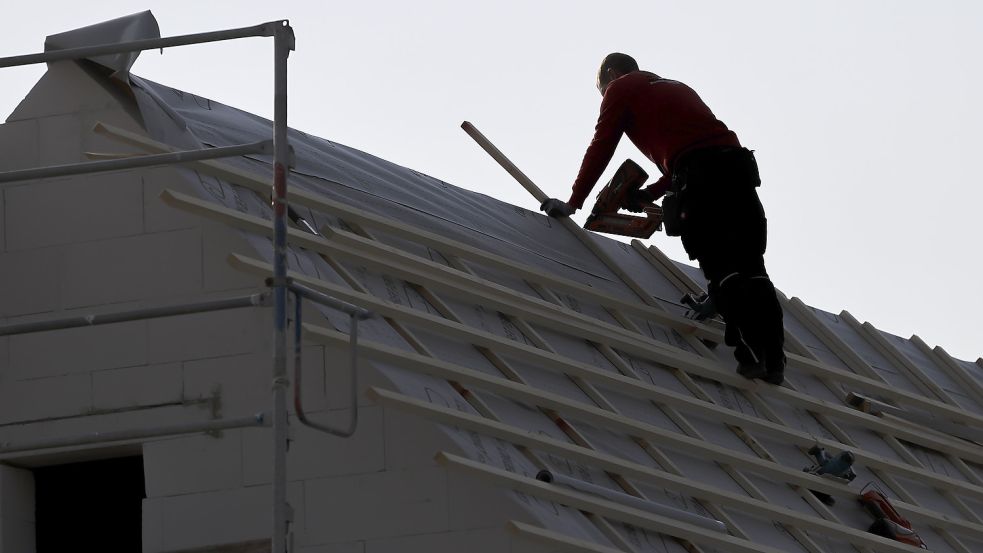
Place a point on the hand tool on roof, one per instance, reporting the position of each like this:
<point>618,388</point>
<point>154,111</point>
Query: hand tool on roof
<point>615,195</point>
<point>839,466</point>
<point>701,306</point>
<point>888,522</point>
<point>877,408</point>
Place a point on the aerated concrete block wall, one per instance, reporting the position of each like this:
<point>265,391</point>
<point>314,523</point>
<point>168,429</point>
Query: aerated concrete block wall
<point>85,244</point>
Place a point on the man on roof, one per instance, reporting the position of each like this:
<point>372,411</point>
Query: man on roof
<point>708,182</point>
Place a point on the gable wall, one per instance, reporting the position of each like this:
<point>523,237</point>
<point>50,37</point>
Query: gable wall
<point>87,244</point>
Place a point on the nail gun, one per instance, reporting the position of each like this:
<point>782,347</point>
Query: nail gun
<point>605,217</point>
<point>888,522</point>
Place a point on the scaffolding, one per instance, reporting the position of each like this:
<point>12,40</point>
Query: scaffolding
<point>280,285</point>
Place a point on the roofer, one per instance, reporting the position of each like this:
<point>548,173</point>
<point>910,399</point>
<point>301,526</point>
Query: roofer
<point>708,181</point>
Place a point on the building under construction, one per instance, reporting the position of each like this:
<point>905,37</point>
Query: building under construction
<point>220,334</point>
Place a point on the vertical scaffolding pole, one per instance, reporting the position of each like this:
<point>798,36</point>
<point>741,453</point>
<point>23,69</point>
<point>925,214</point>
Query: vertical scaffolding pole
<point>283,43</point>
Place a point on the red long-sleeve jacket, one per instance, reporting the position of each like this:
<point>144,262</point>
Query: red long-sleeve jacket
<point>663,118</point>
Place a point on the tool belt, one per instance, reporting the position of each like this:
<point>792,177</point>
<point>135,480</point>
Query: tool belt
<point>717,170</point>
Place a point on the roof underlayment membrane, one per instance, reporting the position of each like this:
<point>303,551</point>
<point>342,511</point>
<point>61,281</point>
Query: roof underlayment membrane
<point>751,433</point>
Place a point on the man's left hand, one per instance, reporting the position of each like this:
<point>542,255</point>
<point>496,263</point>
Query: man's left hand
<point>557,208</point>
<point>636,200</point>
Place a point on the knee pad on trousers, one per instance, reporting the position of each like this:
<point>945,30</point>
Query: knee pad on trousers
<point>726,294</point>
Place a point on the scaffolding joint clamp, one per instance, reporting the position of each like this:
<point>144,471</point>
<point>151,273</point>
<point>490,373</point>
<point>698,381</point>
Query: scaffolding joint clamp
<point>273,281</point>
<point>274,28</point>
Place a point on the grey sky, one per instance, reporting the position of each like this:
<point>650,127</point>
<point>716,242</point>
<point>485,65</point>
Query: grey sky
<point>865,115</point>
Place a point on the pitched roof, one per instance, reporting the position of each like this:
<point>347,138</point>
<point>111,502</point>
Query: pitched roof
<point>535,348</point>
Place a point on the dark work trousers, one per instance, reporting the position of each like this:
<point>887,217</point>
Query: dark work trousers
<point>726,231</point>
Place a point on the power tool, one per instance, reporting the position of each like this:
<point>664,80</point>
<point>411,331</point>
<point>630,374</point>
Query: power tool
<point>605,217</point>
<point>888,522</point>
<point>839,466</point>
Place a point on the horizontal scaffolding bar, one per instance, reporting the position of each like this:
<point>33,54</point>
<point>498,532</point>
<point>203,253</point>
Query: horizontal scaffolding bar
<point>263,29</point>
<point>259,419</point>
<point>136,314</point>
<point>184,156</point>
<point>317,296</point>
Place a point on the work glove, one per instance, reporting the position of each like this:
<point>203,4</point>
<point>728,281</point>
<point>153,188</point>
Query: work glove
<point>557,208</point>
<point>636,200</point>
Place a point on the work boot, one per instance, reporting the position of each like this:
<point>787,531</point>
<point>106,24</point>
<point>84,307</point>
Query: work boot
<point>775,370</point>
<point>750,364</point>
<point>752,370</point>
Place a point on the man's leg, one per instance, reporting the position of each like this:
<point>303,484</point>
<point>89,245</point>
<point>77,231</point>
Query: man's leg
<point>762,319</point>
<point>732,259</point>
<point>726,285</point>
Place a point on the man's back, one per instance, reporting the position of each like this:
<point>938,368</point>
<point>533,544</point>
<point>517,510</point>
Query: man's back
<point>662,117</point>
<point>667,118</point>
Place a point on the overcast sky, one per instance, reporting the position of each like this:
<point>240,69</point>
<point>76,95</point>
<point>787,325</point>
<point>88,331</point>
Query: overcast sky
<point>865,115</point>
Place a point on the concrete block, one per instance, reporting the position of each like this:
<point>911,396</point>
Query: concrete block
<point>315,389</point>
<point>412,441</point>
<point>145,267</point>
<point>29,282</point>
<point>41,398</point>
<point>193,464</point>
<point>74,209</point>
<point>19,145</point>
<point>135,386</point>
<point>60,140</point>
<point>474,503</point>
<point>380,505</point>
<point>16,536</point>
<point>242,382</point>
<point>522,544</point>
<point>123,116</point>
<point>314,454</point>
<point>337,376</point>
<point>218,242</point>
<point>78,350</point>
<point>204,335</point>
<point>213,518</point>
<point>4,359</point>
<point>158,216</point>
<point>65,88</point>
<point>152,518</point>
<point>16,494</point>
<point>485,540</point>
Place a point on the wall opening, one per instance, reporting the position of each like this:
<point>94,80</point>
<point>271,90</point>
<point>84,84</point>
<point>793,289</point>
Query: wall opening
<point>90,506</point>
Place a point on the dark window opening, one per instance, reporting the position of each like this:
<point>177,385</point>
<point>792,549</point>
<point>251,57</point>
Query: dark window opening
<point>90,506</point>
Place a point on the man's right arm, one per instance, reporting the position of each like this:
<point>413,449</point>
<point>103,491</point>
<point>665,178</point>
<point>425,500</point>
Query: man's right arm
<point>658,188</point>
<point>611,125</point>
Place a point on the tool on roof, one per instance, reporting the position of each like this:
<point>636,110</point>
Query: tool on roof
<point>839,466</point>
<point>888,522</point>
<point>877,408</point>
<point>617,194</point>
<point>551,477</point>
<point>701,307</point>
